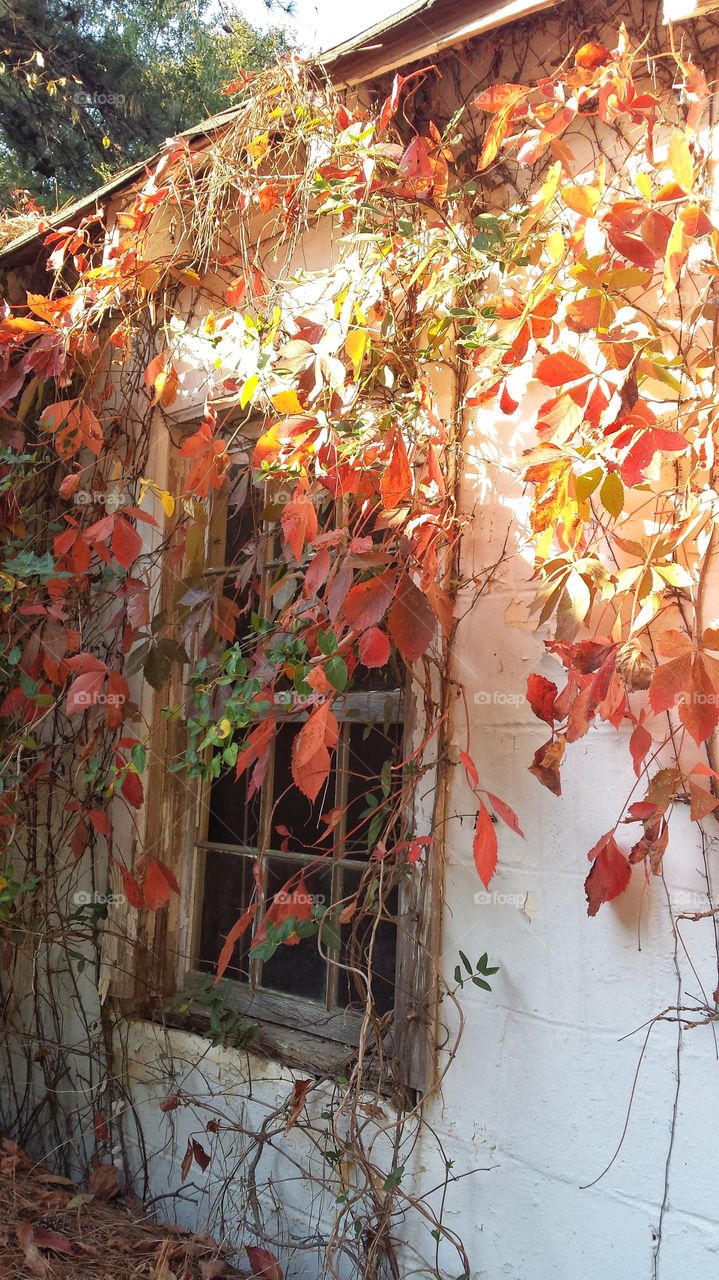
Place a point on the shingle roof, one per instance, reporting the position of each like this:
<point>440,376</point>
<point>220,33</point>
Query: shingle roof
<point>420,30</point>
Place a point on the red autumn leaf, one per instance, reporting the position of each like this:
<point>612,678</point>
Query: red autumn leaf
<point>258,742</point>
<point>506,813</point>
<point>390,104</point>
<point>299,521</point>
<point>484,845</point>
<point>470,769</point>
<point>300,1089</point>
<point>79,839</point>
<point>75,427</point>
<point>236,292</point>
<point>639,744</point>
<point>133,892</point>
<point>366,604</point>
<point>85,691</point>
<point>117,696</point>
<point>541,696</point>
<point>559,368</point>
<point>100,821</point>
<point>609,876</point>
<point>225,612</point>
<point>310,754</point>
<point>415,161</point>
<point>157,883</point>
<point>199,1155</point>
<point>699,708</point>
<point>411,621</point>
<point>264,1264</point>
<point>396,481</point>
<point>670,679</point>
<point>101,1127</point>
<point>69,485</point>
<point>126,542</point>
<point>268,196</point>
<point>545,765</point>
<point>642,451</point>
<point>500,96</point>
<point>238,929</point>
<point>506,403</point>
<point>317,572</point>
<point>132,788</point>
<point>374,648</point>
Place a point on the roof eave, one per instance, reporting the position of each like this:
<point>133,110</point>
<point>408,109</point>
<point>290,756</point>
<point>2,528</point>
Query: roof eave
<point>421,31</point>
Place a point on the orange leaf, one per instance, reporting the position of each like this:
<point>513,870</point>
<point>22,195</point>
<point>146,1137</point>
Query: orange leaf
<point>559,368</point>
<point>299,521</point>
<point>310,755</point>
<point>396,482</point>
<point>157,883</point>
<point>239,927</point>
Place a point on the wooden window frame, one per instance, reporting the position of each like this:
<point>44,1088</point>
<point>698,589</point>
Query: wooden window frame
<point>165,964</point>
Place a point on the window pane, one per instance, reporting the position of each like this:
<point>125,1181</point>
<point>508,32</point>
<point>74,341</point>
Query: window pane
<point>232,820</point>
<point>227,893</point>
<point>361,935</point>
<point>293,812</point>
<point>298,969</point>
<point>369,749</point>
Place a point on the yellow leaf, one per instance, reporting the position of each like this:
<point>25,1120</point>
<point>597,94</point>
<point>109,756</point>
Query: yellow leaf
<point>680,160</point>
<point>555,246</point>
<point>167,500</point>
<point>644,185</point>
<point>106,143</point>
<point>248,390</point>
<point>674,258</point>
<point>259,146</point>
<point>224,729</point>
<point>356,346</point>
<point>287,402</point>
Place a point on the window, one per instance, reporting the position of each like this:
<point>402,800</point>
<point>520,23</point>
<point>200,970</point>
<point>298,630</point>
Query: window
<point>249,848</point>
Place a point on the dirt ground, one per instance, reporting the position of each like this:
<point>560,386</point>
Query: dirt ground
<point>51,1228</point>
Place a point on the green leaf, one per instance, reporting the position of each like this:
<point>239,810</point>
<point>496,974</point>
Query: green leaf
<point>394,1178</point>
<point>336,672</point>
<point>327,643</point>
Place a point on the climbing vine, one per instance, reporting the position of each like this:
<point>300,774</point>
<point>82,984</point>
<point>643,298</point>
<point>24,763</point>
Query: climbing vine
<point>564,278</point>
